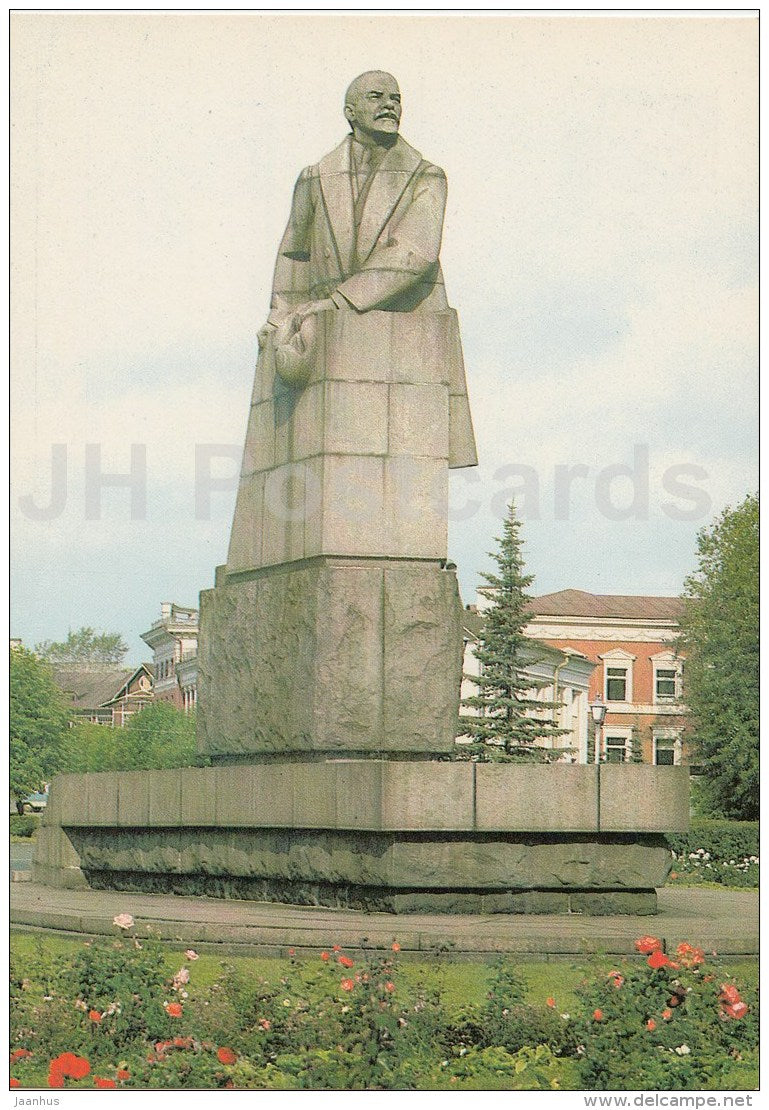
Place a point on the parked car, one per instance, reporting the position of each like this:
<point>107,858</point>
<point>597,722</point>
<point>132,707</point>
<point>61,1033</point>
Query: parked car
<point>33,803</point>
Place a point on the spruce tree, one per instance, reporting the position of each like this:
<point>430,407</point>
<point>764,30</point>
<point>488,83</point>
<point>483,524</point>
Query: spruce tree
<point>509,718</point>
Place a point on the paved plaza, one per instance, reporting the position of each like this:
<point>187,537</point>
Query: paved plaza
<point>724,921</point>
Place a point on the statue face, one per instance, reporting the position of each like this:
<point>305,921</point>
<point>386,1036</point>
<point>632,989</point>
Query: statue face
<point>374,105</point>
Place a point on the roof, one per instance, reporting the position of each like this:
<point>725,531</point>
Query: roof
<point>579,603</point>
<point>91,685</point>
<point>472,626</point>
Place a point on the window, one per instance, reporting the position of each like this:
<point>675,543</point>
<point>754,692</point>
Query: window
<point>667,678</point>
<point>667,749</point>
<point>616,749</point>
<point>665,684</point>
<point>616,684</point>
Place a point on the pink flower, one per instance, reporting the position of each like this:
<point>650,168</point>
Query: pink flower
<point>265,1024</point>
<point>182,976</point>
<point>389,986</point>
<point>123,921</point>
<point>395,946</point>
<point>191,954</point>
<point>292,951</point>
<point>651,1025</point>
<point>667,1014</point>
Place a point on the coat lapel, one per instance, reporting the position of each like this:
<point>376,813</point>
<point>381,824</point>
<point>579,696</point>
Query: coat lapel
<point>336,187</point>
<point>394,173</point>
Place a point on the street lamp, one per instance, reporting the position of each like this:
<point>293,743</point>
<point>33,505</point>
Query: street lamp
<point>598,711</point>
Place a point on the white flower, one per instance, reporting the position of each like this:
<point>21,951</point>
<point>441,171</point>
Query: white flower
<point>123,921</point>
<point>683,1050</point>
<point>182,975</point>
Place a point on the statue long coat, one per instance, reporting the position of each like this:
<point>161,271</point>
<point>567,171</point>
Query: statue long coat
<point>389,261</point>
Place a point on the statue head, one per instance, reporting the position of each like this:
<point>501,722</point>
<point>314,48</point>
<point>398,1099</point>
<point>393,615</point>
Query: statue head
<point>372,105</point>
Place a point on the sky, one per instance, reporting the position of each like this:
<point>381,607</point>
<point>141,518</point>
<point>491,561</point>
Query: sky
<point>600,247</point>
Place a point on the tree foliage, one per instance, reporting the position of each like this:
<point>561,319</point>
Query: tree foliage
<point>158,737</point>
<point>84,646</point>
<point>509,720</point>
<point>719,634</point>
<point>38,723</point>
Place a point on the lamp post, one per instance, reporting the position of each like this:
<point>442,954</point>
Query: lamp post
<point>598,711</point>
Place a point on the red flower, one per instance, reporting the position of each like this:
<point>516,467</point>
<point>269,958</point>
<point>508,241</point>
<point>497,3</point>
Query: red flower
<point>616,978</point>
<point>347,984</point>
<point>325,957</point>
<point>20,1054</point>
<point>646,944</point>
<point>292,951</point>
<point>15,1082</point>
<point>225,1056</point>
<point>174,1009</point>
<point>598,1015</point>
<point>550,1002</point>
<point>265,1024</point>
<point>395,946</point>
<point>122,1074</point>
<point>729,994</point>
<point>181,1042</point>
<point>55,1078</point>
<point>94,1015</point>
<point>71,1066</point>
<point>667,1014</point>
<point>389,987</point>
<point>658,959</point>
<point>737,1011</point>
<point>336,948</point>
<point>651,1025</point>
<point>104,1084</point>
<point>345,961</point>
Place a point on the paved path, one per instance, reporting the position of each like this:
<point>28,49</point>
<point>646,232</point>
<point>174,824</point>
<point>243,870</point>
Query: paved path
<point>722,920</point>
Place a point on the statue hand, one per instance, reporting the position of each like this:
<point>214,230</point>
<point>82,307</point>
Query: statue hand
<point>311,308</point>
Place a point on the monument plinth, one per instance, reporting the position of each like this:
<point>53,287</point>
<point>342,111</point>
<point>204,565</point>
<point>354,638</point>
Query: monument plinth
<point>335,626</point>
<point>330,647</point>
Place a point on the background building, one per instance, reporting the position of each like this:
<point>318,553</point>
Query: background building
<point>638,673</point>
<point>174,641</point>
<point>104,693</point>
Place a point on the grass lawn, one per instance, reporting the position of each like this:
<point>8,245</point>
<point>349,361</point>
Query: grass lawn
<point>463,982</point>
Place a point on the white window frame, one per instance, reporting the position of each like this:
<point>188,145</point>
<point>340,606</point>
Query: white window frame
<point>621,660</point>
<point>667,661</point>
<point>667,735</point>
<point>619,732</point>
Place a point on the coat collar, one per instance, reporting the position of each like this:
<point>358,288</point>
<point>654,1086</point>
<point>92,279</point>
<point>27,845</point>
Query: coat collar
<point>391,178</point>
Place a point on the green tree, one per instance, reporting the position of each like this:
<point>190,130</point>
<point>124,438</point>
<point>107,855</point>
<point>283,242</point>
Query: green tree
<point>158,737</point>
<point>84,646</point>
<point>719,636</point>
<point>509,718</point>
<point>38,724</point>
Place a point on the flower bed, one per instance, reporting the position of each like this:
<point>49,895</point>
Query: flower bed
<point>112,1017</point>
<point>723,852</point>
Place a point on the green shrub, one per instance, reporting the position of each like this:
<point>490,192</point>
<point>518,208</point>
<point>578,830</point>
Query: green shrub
<point>26,825</point>
<point>337,1023</point>
<point>664,1024</point>
<point>719,851</point>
